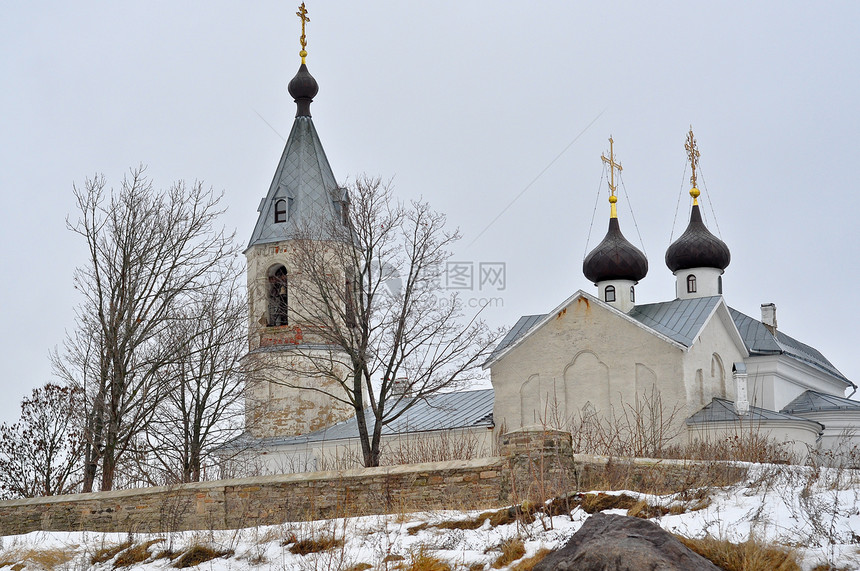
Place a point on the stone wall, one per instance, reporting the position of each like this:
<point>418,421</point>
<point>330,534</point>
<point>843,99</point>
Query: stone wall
<point>245,502</point>
<point>535,465</point>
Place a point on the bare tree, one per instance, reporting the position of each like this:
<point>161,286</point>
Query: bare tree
<point>368,288</point>
<point>148,250</point>
<point>202,405</point>
<point>41,454</point>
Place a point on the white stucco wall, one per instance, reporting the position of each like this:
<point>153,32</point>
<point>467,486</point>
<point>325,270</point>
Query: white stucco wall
<point>586,353</point>
<point>590,353</point>
<point>797,437</point>
<point>430,446</point>
<point>776,380</point>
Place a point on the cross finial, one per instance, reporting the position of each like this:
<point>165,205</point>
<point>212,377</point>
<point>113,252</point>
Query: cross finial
<point>612,186</point>
<point>693,157</point>
<point>303,15</point>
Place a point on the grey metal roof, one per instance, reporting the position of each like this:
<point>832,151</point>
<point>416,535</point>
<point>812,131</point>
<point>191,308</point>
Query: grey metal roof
<point>680,320</point>
<point>760,341</point>
<point>520,328</point>
<point>442,411</point>
<point>722,410</point>
<point>305,179</point>
<point>814,401</point>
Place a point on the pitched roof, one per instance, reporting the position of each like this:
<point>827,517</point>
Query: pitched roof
<point>681,319</point>
<point>441,411</point>
<point>814,401</point>
<point>760,341</point>
<point>520,329</point>
<point>305,181</point>
<point>722,410</point>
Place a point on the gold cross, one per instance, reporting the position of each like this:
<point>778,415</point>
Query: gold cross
<point>693,157</point>
<point>612,186</point>
<point>303,14</point>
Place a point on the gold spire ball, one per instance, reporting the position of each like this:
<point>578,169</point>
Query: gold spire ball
<point>693,157</point>
<point>303,14</point>
<point>613,213</point>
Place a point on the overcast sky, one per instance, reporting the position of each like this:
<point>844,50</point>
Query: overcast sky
<point>466,104</point>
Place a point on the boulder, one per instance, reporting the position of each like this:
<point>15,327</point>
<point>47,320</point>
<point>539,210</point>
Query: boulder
<point>621,543</point>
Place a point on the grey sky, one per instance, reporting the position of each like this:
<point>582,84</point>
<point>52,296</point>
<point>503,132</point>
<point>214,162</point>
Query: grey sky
<point>463,103</point>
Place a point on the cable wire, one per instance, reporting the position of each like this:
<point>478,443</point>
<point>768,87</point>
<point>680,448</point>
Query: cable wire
<point>594,212</point>
<point>632,214</point>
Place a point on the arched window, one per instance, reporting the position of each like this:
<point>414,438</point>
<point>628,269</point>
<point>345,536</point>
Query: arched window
<point>609,294</point>
<point>632,295</point>
<point>278,296</point>
<point>281,211</point>
<point>720,285</point>
<point>691,284</point>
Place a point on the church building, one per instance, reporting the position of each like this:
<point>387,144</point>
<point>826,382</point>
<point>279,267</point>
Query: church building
<point>715,370</point>
<point>718,371</point>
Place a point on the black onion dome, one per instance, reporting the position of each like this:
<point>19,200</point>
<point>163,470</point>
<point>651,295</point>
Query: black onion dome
<point>615,258</point>
<point>697,247</point>
<point>303,87</point>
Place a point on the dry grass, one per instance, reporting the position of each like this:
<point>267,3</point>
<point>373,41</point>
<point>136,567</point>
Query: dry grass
<point>359,567</point>
<point>197,554</point>
<point>644,510</point>
<point>39,558</point>
<point>529,563</point>
<point>315,545</point>
<point>135,554</point>
<point>107,553</point>
<point>503,516</point>
<point>750,555</point>
<point>421,560</point>
<point>512,549</point>
<point>593,503</point>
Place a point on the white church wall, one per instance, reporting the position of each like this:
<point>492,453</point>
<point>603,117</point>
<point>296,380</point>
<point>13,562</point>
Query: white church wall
<point>414,447</point>
<point>708,365</point>
<point>776,380</point>
<point>797,437</point>
<point>840,441</point>
<point>592,352</point>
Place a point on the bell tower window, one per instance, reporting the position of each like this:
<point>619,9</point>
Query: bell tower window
<point>632,295</point>
<point>691,284</point>
<point>609,294</point>
<point>278,296</point>
<point>280,211</point>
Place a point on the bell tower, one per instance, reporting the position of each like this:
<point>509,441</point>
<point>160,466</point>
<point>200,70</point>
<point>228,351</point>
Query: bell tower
<point>283,397</point>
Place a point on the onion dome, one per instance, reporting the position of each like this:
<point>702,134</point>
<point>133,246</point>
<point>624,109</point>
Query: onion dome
<point>697,247</point>
<point>615,258</point>
<point>303,87</point>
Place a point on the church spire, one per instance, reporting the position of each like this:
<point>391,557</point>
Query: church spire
<point>615,266</point>
<point>303,87</point>
<point>303,192</point>
<point>697,257</point>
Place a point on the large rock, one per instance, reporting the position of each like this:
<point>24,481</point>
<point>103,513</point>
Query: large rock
<point>620,543</point>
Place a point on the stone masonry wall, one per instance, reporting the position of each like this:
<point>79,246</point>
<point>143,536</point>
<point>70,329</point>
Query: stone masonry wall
<point>245,502</point>
<point>535,465</point>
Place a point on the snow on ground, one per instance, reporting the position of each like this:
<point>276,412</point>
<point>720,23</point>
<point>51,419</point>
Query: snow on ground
<point>815,511</point>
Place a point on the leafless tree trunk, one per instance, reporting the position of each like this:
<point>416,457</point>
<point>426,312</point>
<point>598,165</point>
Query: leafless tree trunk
<point>148,251</point>
<point>373,294</point>
<point>202,405</point>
